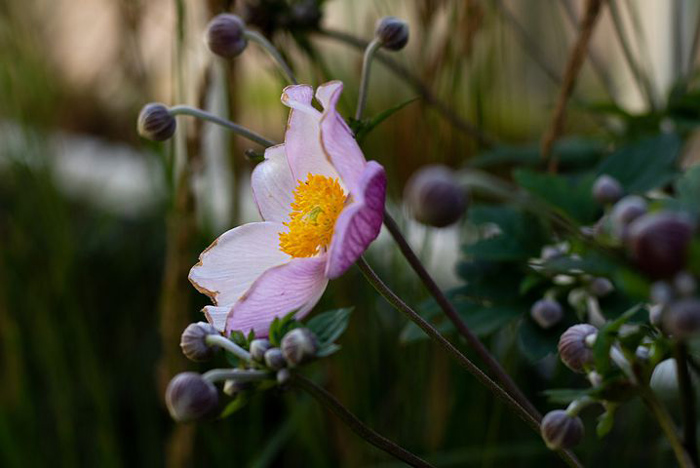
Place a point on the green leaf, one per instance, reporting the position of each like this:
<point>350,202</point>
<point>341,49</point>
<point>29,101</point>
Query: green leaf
<point>364,127</point>
<point>687,189</point>
<point>564,396</point>
<point>571,153</point>
<point>329,325</point>
<point>645,164</point>
<point>605,339</point>
<point>535,342</point>
<point>237,403</point>
<point>606,421</point>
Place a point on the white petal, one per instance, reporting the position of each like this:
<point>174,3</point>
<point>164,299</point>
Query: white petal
<point>273,185</point>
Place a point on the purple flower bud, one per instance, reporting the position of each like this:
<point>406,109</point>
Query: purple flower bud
<point>392,32</point>
<point>193,341</point>
<point>601,287</point>
<point>434,196</point>
<point>682,319</point>
<point>258,348</point>
<point>226,36</point>
<point>299,346</point>
<point>283,376</point>
<point>573,349</point>
<point>156,123</point>
<point>546,312</point>
<point>661,292</point>
<point>189,397</point>
<point>233,387</point>
<point>561,431</point>
<point>685,284</point>
<point>607,190</point>
<point>624,212</point>
<point>659,243</point>
<point>274,359</point>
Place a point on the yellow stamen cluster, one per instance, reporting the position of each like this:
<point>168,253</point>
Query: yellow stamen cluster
<point>316,207</point>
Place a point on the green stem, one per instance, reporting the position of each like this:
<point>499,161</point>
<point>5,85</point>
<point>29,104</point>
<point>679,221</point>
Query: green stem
<point>667,425</point>
<point>332,404</point>
<point>238,129</point>
<point>371,49</point>
<point>274,53</point>
<point>429,330</point>
<point>239,375</point>
<point>228,345</point>
<point>688,410</point>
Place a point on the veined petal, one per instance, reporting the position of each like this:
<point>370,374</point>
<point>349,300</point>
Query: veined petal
<point>273,185</point>
<point>296,285</point>
<point>359,223</point>
<point>228,267</point>
<point>337,141</point>
<point>302,140</point>
<point>216,316</point>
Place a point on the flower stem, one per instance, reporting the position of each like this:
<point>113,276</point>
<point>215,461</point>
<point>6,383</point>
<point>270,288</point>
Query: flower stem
<point>239,375</point>
<point>666,423</point>
<point>371,49</point>
<point>228,345</point>
<point>685,386</point>
<point>493,365</point>
<point>274,53</point>
<point>238,129</point>
<point>332,404</point>
<point>429,330</point>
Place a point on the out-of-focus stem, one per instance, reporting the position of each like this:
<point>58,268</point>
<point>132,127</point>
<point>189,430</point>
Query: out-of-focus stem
<point>667,425</point>
<point>239,375</point>
<point>228,345</point>
<point>274,53</point>
<point>371,49</point>
<point>234,127</point>
<point>329,402</point>
<point>688,410</point>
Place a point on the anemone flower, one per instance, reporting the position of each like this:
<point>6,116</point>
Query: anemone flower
<point>322,204</point>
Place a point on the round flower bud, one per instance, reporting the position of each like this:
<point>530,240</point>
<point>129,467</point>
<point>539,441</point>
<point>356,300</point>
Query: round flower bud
<point>601,287</point>
<point>661,292</point>
<point>664,379</point>
<point>561,431</point>
<point>156,123</point>
<point>685,284</point>
<point>283,376</point>
<point>258,348</point>
<point>659,243</point>
<point>193,341</point>
<point>573,349</point>
<point>682,319</point>
<point>392,33</point>
<point>607,190</point>
<point>226,35</point>
<point>274,359</point>
<point>232,387</point>
<point>434,196</point>
<point>546,312</point>
<point>299,346</point>
<point>189,397</point>
<point>624,212</point>
<point>655,313</point>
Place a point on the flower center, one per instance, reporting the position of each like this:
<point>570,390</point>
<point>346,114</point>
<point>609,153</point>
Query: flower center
<point>316,206</point>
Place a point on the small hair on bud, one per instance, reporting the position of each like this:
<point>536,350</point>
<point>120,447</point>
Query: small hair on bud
<point>546,313</point>
<point>573,349</point>
<point>434,196</point>
<point>624,212</point>
<point>226,35</point>
<point>561,431</point>
<point>607,190</point>
<point>299,346</point>
<point>274,359</point>
<point>659,243</point>
<point>193,341</point>
<point>189,397</point>
<point>392,33</point>
<point>258,347</point>
<point>156,123</point>
<point>681,319</point>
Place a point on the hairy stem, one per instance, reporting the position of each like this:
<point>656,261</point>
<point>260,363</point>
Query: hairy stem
<point>332,404</point>
<point>234,127</point>
<point>688,410</point>
<point>371,49</point>
<point>274,53</point>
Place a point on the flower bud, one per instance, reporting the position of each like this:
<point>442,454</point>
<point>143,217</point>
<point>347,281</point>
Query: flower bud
<point>189,397</point>
<point>685,284</point>
<point>193,341</point>
<point>664,379</point>
<point>274,359</point>
<point>434,196</point>
<point>561,431</point>
<point>232,387</point>
<point>659,243</point>
<point>283,376</point>
<point>226,35</point>
<point>573,349</point>
<point>546,312</point>
<point>258,348</point>
<point>156,123</point>
<point>607,190</point>
<point>661,292</point>
<point>392,33</point>
<point>601,287</point>
<point>624,212</point>
<point>682,319</point>
<point>299,346</point>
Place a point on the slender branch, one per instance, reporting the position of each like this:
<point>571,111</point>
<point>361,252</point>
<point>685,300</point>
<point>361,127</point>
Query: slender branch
<point>429,330</point>
<point>234,127</point>
<point>228,345</point>
<point>491,363</point>
<point>416,84</point>
<point>667,425</point>
<point>688,410</point>
<point>274,53</point>
<point>239,375</point>
<point>573,67</point>
<point>332,404</point>
<point>692,56</point>
<point>371,49</point>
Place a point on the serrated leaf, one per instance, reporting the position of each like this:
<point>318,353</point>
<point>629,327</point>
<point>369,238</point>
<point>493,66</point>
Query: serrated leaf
<point>329,325</point>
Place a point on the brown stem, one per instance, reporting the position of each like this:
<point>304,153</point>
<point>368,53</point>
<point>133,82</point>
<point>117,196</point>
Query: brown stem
<point>573,67</point>
<point>688,410</point>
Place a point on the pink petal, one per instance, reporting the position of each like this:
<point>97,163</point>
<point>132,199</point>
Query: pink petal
<point>236,259</point>
<point>273,185</point>
<point>216,316</point>
<point>302,141</point>
<point>337,140</point>
<point>296,285</point>
<point>359,223</point>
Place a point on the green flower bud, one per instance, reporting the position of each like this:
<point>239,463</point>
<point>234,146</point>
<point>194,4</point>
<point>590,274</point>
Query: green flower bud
<point>156,123</point>
<point>190,398</point>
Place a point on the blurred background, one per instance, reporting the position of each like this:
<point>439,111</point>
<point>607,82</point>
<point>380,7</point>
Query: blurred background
<point>98,227</point>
